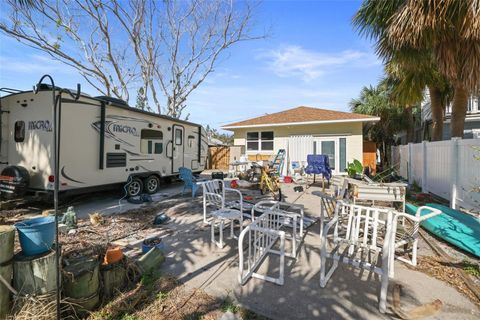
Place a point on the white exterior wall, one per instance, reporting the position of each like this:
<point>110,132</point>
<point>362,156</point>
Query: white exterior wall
<point>352,131</point>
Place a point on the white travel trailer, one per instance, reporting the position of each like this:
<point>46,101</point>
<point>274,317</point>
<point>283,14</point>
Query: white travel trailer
<point>102,142</point>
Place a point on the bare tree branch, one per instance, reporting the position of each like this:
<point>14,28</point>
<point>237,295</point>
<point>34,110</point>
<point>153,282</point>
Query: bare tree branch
<point>168,48</point>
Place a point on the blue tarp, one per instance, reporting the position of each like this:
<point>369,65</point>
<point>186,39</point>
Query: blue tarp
<point>318,164</point>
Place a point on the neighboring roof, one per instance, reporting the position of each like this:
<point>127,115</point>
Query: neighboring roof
<point>301,115</point>
<point>215,142</point>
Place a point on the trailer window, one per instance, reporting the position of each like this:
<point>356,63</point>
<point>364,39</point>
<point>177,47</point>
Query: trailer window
<point>191,140</point>
<point>151,141</point>
<point>178,136</point>
<point>158,147</point>
<point>19,131</point>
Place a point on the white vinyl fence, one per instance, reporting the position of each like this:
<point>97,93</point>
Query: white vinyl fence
<point>449,169</point>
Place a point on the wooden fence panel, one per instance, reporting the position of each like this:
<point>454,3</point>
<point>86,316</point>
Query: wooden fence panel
<point>219,157</point>
<point>370,156</point>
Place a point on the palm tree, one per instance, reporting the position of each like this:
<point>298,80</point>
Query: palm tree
<point>412,69</point>
<point>376,101</point>
<point>451,30</point>
<point>408,78</point>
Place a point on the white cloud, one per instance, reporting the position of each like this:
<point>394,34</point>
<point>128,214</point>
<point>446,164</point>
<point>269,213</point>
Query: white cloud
<point>34,63</point>
<point>295,61</point>
<point>221,104</point>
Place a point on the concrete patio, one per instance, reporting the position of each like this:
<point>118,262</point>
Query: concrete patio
<point>349,295</point>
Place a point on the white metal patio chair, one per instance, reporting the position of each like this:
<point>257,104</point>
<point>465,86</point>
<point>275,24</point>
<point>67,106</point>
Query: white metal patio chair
<point>327,209</point>
<point>214,195</point>
<point>407,234</point>
<point>364,244</point>
<point>340,186</point>
<point>285,207</point>
<point>224,216</point>
<point>293,219</point>
<point>260,238</point>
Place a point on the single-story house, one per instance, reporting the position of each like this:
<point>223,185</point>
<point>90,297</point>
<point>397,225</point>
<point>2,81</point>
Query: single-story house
<point>302,131</point>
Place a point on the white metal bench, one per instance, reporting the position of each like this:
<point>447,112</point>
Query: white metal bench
<point>367,192</point>
<point>258,239</point>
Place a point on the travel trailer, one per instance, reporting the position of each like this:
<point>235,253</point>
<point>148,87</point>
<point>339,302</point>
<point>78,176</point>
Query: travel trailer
<point>102,142</point>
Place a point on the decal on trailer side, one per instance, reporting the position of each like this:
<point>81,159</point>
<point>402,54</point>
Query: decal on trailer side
<point>42,125</point>
<point>108,131</point>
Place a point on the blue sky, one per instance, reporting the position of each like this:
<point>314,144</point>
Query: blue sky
<point>312,57</point>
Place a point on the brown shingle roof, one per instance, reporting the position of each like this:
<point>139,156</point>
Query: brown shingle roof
<point>301,114</point>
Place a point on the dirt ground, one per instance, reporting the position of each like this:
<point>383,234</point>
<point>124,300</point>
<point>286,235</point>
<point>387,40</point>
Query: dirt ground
<point>163,296</point>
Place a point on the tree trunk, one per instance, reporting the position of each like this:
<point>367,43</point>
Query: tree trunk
<point>459,110</point>
<point>410,124</point>
<point>436,107</point>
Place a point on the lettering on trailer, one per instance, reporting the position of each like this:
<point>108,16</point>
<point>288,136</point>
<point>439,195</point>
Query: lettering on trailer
<point>125,129</point>
<point>109,131</point>
<point>42,125</point>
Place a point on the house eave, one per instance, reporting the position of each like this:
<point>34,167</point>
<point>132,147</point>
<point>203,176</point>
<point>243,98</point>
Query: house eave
<point>373,119</point>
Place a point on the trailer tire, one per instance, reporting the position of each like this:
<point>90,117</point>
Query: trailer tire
<point>151,184</point>
<point>135,187</point>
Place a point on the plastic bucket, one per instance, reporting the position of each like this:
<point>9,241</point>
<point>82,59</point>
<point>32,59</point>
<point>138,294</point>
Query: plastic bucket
<point>147,247</point>
<point>36,235</point>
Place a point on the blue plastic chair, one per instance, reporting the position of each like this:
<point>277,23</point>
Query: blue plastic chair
<point>190,182</point>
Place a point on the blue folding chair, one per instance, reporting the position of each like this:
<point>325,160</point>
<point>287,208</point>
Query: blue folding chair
<point>189,180</point>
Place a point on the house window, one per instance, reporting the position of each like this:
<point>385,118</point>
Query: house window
<point>260,141</point>
<point>19,131</point>
<point>151,141</point>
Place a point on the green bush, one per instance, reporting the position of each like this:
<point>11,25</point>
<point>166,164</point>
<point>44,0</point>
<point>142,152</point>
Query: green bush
<point>355,168</point>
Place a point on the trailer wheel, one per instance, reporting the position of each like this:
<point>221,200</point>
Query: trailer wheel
<point>152,184</point>
<point>135,187</point>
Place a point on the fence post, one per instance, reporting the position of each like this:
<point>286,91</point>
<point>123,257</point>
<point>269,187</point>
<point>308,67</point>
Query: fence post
<point>409,164</point>
<point>424,166</point>
<point>454,171</point>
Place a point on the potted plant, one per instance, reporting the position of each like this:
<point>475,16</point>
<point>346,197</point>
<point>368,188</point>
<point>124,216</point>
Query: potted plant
<point>152,242</point>
<point>355,169</point>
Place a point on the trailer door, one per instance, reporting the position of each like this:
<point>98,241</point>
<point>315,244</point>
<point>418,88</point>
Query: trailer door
<point>178,133</point>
